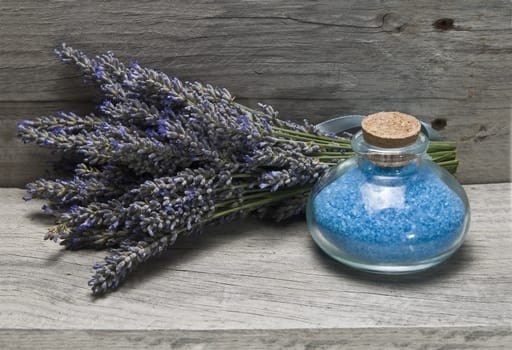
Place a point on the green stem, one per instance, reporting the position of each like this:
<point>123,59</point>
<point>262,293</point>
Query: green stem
<point>245,197</point>
<point>275,197</point>
<point>326,153</point>
<point>436,146</point>
<point>442,156</point>
<point>328,144</point>
<point>313,136</point>
<point>341,156</point>
<point>234,187</point>
<point>448,163</point>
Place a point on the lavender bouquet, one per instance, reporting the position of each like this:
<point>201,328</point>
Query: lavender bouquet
<point>160,158</point>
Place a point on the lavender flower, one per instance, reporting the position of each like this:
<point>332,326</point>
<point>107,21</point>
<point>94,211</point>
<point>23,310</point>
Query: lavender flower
<point>160,158</point>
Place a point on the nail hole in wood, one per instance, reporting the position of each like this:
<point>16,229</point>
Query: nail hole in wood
<point>444,24</point>
<point>439,123</point>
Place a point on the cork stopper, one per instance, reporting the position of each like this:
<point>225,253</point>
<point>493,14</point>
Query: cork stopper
<point>390,129</point>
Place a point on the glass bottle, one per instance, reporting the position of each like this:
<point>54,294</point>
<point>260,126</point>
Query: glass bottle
<point>388,209</point>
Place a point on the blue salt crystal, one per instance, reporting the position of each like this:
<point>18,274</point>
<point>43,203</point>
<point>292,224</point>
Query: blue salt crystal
<point>380,215</point>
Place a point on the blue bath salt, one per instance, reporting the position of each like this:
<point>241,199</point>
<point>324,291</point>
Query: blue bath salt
<point>382,215</point>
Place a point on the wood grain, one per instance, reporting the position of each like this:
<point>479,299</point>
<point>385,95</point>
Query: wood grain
<point>257,276</point>
<point>436,60</point>
<point>483,156</point>
<point>477,338</point>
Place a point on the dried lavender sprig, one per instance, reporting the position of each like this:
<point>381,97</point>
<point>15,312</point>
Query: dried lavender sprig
<point>126,259</point>
<point>87,185</point>
<point>196,96</point>
<point>113,272</point>
<point>75,190</point>
<point>267,154</point>
<point>156,206</point>
<point>158,89</point>
<point>105,70</point>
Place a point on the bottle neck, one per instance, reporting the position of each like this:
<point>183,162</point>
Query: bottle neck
<point>390,157</point>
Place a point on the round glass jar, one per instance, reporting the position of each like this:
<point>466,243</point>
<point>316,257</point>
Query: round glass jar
<point>388,209</point>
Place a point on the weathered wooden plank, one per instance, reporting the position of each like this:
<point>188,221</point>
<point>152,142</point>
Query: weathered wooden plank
<point>254,275</point>
<point>477,338</point>
<point>433,59</point>
<point>275,49</point>
<point>483,147</point>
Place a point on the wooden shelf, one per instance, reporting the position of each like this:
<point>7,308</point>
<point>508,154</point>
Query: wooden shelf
<point>255,285</point>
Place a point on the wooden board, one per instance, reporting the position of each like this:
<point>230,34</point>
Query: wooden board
<point>477,338</point>
<point>437,60</point>
<point>256,284</point>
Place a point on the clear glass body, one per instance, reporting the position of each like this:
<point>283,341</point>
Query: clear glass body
<point>388,210</point>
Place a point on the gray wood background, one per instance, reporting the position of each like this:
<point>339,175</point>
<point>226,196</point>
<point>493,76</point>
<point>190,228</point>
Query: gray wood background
<point>255,285</point>
<point>438,60</point>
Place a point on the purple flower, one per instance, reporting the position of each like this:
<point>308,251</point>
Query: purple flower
<point>115,143</point>
<point>162,157</point>
<point>98,73</point>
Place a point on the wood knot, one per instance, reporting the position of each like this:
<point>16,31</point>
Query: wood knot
<point>444,24</point>
<point>439,123</point>
<point>393,23</point>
